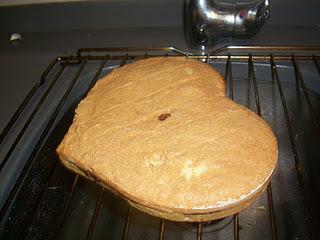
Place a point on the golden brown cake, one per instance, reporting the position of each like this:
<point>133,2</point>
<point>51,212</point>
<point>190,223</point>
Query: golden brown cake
<point>161,133</point>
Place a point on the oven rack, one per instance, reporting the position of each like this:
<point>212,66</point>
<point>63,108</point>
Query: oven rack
<point>271,55</point>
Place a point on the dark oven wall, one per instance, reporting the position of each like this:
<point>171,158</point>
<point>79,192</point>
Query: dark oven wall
<point>141,13</point>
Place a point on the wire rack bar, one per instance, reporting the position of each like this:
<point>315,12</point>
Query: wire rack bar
<point>95,214</point>
<point>259,48</point>
<point>296,74</point>
<point>272,214</point>
<point>241,58</point>
<point>65,207</point>
<point>252,76</point>
<point>228,76</point>
<point>252,48</point>
<point>31,117</point>
<point>98,72</point>
<point>161,233</point>
<point>124,60</point>
<point>294,150</point>
<point>316,63</point>
<point>127,225</point>
<point>236,229</point>
<point>208,59</point>
<point>199,231</point>
<point>230,80</point>
<point>132,49</point>
<point>299,79</point>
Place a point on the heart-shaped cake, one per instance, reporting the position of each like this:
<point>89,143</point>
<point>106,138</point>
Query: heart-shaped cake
<point>161,133</point>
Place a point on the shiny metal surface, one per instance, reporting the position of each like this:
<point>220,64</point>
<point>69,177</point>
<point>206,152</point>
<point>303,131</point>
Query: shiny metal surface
<point>205,20</point>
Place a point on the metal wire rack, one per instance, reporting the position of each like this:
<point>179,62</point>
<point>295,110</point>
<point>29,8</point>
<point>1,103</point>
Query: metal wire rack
<point>271,56</point>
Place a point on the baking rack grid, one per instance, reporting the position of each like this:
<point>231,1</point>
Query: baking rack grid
<point>249,55</point>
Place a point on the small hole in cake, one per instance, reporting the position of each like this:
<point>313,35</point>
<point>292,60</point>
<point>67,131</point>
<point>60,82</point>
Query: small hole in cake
<point>164,116</point>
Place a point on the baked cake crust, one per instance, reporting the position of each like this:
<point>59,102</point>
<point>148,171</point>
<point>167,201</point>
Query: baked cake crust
<point>161,133</point>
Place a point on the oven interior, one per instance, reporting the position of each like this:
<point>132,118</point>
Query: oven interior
<point>40,199</point>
